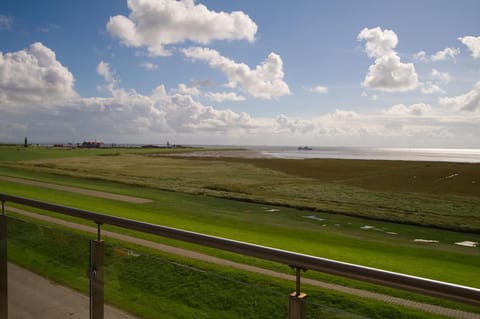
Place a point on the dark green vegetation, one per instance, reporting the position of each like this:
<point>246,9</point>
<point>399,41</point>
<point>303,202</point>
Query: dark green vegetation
<point>152,285</point>
<point>196,194</point>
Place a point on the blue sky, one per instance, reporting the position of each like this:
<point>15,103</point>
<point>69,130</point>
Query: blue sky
<point>335,73</point>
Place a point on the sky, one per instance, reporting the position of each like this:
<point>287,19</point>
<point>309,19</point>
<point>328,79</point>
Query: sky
<point>322,73</point>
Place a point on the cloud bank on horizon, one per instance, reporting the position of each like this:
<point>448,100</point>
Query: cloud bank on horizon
<point>416,101</point>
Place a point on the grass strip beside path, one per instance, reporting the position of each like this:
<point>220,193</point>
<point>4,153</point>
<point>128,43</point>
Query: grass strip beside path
<point>453,313</point>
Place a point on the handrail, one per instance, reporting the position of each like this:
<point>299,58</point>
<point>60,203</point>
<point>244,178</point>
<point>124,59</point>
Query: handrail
<point>430,287</point>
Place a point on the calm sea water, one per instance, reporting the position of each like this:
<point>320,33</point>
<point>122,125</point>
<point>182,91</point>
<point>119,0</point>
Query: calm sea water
<point>406,154</point>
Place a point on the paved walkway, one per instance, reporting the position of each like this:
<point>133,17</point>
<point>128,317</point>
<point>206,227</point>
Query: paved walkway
<point>31,296</point>
<point>199,256</point>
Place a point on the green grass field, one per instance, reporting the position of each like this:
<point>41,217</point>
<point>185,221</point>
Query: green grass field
<point>233,198</point>
<point>418,193</point>
<point>144,282</point>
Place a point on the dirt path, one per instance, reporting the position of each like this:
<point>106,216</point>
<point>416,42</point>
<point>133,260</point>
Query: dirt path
<point>78,190</point>
<point>215,260</point>
<point>48,300</point>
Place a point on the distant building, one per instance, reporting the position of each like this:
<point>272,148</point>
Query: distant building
<point>94,144</point>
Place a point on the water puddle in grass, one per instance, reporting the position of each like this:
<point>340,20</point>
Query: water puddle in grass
<point>313,217</point>
<point>367,227</point>
<point>419,240</point>
<point>271,210</point>
<point>467,243</point>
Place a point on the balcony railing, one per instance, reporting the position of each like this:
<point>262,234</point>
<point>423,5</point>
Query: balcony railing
<point>297,261</point>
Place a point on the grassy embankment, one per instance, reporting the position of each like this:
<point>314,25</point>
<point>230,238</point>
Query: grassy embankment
<point>154,285</point>
<point>337,237</point>
<point>442,195</point>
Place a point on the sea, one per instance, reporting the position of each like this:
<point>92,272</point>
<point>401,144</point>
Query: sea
<point>405,154</point>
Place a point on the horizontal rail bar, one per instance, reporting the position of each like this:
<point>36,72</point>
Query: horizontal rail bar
<point>430,287</point>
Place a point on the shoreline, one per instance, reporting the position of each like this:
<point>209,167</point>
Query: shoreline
<point>336,154</point>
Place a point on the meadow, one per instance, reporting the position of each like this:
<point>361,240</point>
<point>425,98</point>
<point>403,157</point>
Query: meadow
<point>344,210</point>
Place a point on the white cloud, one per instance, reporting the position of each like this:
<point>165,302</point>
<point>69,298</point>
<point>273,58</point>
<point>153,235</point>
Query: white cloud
<point>445,53</point>
<point>201,83</point>
<point>421,56</point>
<point>430,88</point>
<point>388,73</point>
<point>378,42</point>
<point>469,101</point>
<point>157,23</point>
<point>263,82</point>
<point>410,110</point>
<point>318,89</point>
<point>437,78</point>
<point>149,66</point>
<point>473,44</point>
<point>441,77</point>
<point>185,90</point>
<point>130,117</point>
<point>224,96</point>
<point>373,97</point>
<point>103,69</point>
<point>183,114</point>
<point>6,22</point>
<point>34,75</point>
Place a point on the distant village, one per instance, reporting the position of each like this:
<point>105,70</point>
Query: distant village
<point>100,144</point>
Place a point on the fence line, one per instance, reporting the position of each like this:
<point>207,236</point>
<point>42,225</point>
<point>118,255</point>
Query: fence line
<point>435,288</point>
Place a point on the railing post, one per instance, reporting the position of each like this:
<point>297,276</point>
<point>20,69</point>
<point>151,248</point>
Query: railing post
<point>297,300</point>
<point>96,277</point>
<point>3,265</point>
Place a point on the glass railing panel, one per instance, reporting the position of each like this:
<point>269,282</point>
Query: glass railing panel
<point>43,261</point>
<point>160,286</point>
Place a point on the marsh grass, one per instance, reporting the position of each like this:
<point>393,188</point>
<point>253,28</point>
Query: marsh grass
<point>417,193</point>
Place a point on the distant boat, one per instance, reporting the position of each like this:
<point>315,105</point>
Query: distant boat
<point>304,148</point>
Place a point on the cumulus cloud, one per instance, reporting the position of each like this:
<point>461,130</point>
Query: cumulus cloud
<point>224,96</point>
<point>185,90</point>
<point>388,73</point>
<point>157,23</point>
<point>421,56</point>
<point>263,82</point>
<point>201,83</point>
<point>103,69</point>
<point>441,77</point>
<point>184,114</point>
<point>430,88</point>
<point>128,116</point>
<point>149,66</point>
<point>6,22</point>
<point>34,75</point>
<point>437,78</point>
<point>410,110</point>
<point>445,53</point>
<point>473,44</point>
<point>469,101</point>
<point>318,89</point>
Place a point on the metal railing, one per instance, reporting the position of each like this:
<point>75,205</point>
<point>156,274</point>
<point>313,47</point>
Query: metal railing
<point>298,261</point>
